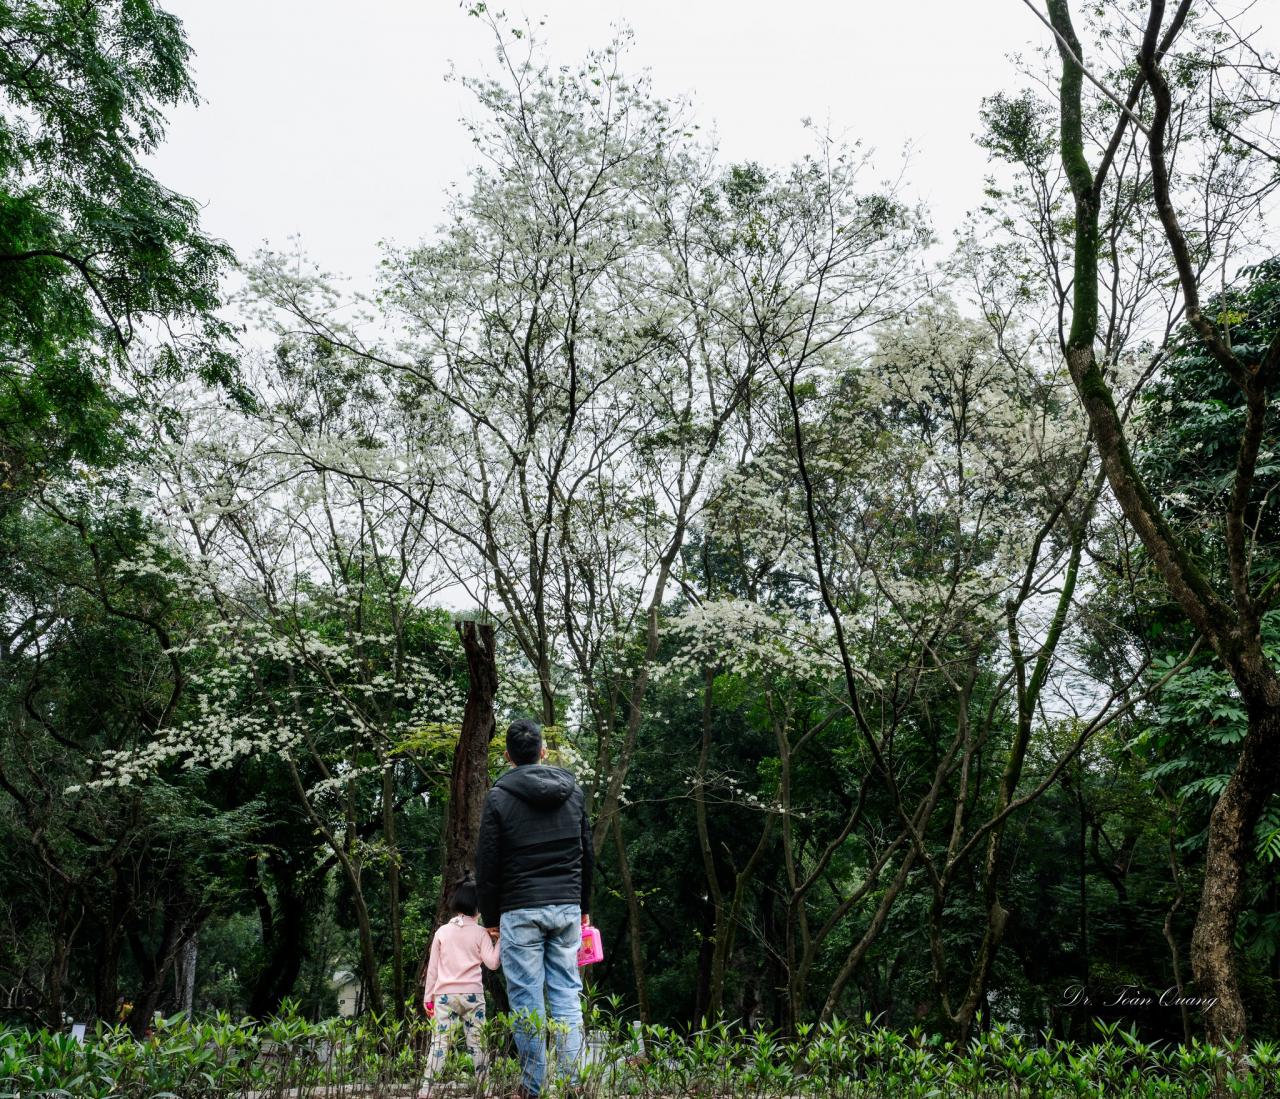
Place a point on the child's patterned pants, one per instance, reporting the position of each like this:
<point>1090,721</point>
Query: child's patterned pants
<point>454,1009</point>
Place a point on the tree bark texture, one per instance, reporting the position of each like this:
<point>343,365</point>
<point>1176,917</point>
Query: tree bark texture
<point>184,975</point>
<point>469,779</point>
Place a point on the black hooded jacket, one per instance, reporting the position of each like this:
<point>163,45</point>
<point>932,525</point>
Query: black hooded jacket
<point>534,847</point>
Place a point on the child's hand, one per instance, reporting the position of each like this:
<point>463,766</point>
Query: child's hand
<point>493,933</point>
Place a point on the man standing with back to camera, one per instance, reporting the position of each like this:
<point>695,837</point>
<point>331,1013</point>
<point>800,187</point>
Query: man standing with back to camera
<point>534,862</point>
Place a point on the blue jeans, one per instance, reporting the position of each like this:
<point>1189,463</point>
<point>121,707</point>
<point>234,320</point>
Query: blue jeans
<point>540,949</point>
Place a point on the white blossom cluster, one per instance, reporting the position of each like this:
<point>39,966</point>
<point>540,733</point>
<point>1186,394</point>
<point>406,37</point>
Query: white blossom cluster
<point>749,640</point>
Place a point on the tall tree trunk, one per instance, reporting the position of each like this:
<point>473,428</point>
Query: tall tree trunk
<point>715,964</point>
<point>345,853</point>
<point>860,948</point>
<point>398,991</point>
<point>1179,896</point>
<point>1231,827</point>
<point>469,779</point>
<point>155,971</point>
<point>370,982</point>
<point>1083,883</point>
<point>106,974</point>
<point>702,986</point>
<point>184,974</point>
<point>60,961</point>
<point>284,934</point>
<point>633,921</point>
<point>773,971</point>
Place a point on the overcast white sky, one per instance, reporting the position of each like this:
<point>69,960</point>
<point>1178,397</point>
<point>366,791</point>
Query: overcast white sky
<point>331,119</point>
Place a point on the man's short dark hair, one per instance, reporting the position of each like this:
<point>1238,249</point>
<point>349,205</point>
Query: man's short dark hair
<point>524,742</point>
<point>464,898</point>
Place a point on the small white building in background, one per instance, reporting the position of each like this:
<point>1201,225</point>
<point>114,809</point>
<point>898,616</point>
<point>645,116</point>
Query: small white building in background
<point>346,985</point>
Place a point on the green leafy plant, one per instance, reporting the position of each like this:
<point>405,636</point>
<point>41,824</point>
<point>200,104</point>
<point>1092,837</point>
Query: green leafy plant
<point>221,1058</point>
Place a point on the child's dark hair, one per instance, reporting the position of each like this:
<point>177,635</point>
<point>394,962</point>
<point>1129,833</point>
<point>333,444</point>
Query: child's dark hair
<point>464,898</point>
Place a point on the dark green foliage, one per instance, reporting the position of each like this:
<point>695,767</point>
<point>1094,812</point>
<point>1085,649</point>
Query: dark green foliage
<point>1019,129</point>
<point>98,878</point>
<point>225,1060</point>
<point>1193,417</point>
<point>97,257</point>
<point>1187,742</point>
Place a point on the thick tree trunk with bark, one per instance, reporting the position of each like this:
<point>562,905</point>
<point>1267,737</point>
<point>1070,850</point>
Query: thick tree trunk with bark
<point>1231,828</point>
<point>284,936</point>
<point>371,984</point>
<point>106,976</point>
<point>155,971</point>
<point>182,923</point>
<point>184,974</point>
<point>62,936</point>
<point>469,780</point>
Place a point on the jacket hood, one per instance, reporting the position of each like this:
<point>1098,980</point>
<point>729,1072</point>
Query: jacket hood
<point>541,786</point>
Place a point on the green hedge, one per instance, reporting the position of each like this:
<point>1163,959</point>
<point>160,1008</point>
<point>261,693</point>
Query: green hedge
<point>287,1056</point>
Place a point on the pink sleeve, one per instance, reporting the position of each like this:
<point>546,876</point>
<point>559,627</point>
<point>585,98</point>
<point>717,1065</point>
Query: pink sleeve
<point>428,988</point>
<point>489,950</point>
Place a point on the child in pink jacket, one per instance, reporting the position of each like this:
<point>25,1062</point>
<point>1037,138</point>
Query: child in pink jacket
<point>458,950</point>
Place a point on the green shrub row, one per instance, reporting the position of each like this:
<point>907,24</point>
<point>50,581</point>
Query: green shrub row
<point>290,1058</point>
